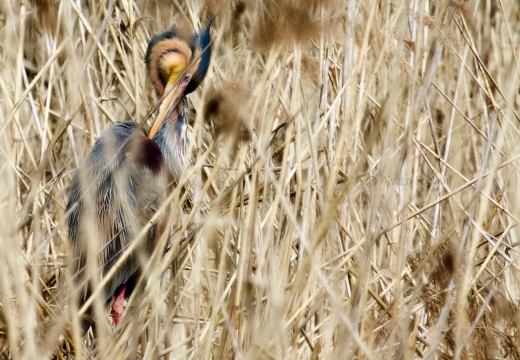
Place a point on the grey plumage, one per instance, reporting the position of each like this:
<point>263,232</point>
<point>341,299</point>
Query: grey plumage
<point>111,198</point>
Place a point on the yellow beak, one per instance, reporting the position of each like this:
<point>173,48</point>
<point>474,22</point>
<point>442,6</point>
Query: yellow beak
<point>172,95</point>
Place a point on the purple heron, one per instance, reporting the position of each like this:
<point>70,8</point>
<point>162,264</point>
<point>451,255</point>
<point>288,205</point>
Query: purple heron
<point>117,190</point>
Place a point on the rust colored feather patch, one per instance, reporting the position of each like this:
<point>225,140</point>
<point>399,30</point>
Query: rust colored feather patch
<point>146,153</point>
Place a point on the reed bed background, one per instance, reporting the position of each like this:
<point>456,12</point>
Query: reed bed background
<point>354,183</point>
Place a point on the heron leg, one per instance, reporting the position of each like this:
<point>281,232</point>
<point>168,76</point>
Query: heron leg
<point>119,305</point>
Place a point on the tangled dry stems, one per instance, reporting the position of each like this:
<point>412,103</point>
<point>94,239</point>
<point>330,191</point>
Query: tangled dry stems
<point>354,179</point>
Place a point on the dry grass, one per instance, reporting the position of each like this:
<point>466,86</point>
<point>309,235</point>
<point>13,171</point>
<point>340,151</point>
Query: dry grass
<point>362,189</point>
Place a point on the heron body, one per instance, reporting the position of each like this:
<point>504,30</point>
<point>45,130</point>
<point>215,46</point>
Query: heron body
<point>119,188</point>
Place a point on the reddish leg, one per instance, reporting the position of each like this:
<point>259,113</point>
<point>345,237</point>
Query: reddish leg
<point>119,305</point>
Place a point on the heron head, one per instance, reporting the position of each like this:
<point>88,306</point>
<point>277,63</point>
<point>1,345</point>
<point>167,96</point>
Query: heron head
<point>177,62</point>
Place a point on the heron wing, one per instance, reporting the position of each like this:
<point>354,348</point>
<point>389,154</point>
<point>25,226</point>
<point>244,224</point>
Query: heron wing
<point>111,197</point>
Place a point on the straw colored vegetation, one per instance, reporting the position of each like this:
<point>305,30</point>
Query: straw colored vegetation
<point>352,193</point>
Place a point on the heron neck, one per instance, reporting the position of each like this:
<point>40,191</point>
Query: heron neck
<point>172,139</point>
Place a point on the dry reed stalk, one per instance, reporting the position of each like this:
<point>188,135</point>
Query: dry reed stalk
<point>353,186</point>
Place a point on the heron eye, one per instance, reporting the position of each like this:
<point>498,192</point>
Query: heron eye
<point>187,78</point>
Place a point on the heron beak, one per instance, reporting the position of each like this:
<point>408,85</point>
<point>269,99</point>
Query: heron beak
<point>173,95</point>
